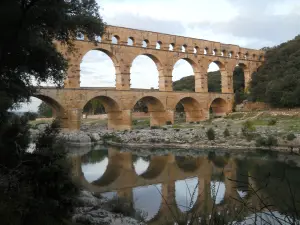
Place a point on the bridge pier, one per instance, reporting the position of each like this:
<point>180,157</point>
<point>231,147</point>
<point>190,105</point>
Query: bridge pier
<point>160,118</point>
<point>74,119</point>
<point>120,120</point>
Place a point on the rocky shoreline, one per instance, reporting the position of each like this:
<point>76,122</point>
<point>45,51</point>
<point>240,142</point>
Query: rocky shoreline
<point>195,137</point>
<point>98,210</point>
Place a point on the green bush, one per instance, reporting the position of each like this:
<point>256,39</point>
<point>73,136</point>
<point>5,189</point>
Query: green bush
<point>266,141</point>
<point>111,137</point>
<point>249,126</point>
<point>169,123</point>
<point>290,137</point>
<point>272,122</point>
<point>154,127</point>
<point>210,133</point>
<point>165,128</point>
<point>31,116</point>
<point>226,133</point>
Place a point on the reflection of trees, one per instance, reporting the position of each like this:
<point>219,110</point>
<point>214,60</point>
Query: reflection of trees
<point>280,182</point>
<point>218,161</point>
<point>94,157</point>
<point>187,163</point>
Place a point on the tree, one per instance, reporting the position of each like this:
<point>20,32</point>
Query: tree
<point>94,107</point>
<point>277,81</point>
<point>27,49</point>
<point>44,110</point>
<point>188,83</point>
<point>36,188</point>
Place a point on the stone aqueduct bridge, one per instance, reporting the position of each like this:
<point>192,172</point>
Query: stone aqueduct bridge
<point>125,47</point>
<point>120,176</point>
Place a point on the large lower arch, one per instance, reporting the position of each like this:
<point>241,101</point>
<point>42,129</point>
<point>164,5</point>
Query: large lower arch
<point>219,107</point>
<point>156,109</point>
<point>116,117</point>
<point>58,111</point>
<point>193,110</point>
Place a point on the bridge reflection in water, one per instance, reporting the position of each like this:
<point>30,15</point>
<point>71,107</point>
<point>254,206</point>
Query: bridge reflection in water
<point>168,185</point>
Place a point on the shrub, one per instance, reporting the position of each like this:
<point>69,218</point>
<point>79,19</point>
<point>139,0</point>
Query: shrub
<point>272,122</point>
<point>249,126</point>
<point>31,116</point>
<point>198,122</point>
<point>168,123</point>
<point>210,134</point>
<point>266,141</point>
<point>226,133</point>
<point>165,128</point>
<point>154,127</point>
<point>125,207</point>
<point>177,129</point>
<point>290,137</point>
<point>191,122</point>
<point>111,137</point>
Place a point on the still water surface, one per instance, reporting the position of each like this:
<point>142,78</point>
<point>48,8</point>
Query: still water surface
<point>162,183</point>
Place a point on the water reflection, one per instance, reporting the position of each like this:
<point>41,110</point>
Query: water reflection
<point>148,199</point>
<point>141,165</point>
<point>217,191</point>
<point>186,193</point>
<point>167,185</point>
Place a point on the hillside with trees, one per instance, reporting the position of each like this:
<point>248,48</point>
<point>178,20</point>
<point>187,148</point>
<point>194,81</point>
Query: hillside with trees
<point>214,83</point>
<point>188,83</point>
<point>277,81</point>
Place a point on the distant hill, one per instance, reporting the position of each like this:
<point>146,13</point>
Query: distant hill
<point>188,83</point>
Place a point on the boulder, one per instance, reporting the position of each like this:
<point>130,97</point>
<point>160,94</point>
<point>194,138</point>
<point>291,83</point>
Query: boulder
<point>95,137</point>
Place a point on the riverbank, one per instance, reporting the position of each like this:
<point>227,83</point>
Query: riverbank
<point>279,131</point>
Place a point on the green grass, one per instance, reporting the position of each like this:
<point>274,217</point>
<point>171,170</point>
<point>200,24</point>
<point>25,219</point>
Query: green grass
<point>34,123</point>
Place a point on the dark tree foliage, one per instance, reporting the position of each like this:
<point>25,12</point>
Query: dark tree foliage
<point>188,83</point>
<point>140,106</point>
<point>36,188</point>
<point>27,50</point>
<point>94,107</point>
<point>44,110</point>
<point>277,81</point>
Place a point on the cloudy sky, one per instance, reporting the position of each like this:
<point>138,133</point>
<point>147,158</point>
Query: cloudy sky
<point>252,24</point>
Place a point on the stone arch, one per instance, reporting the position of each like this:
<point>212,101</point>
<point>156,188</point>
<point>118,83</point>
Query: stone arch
<point>116,164</point>
<point>157,62</point>
<point>188,164</point>
<point>192,108</point>
<point>156,110</point>
<point>111,56</point>
<point>50,101</point>
<point>116,117</point>
<point>194,66</point>
<point>219,107</point>
<point>155,168</point>
<point>58,110</point>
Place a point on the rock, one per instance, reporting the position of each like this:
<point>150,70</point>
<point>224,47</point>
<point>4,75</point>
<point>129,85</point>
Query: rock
<point>87,199</point>
<point>92,211</point>
<point>76,137</point>
<point>100,217</point>
<point>42,127</point>
<point>95,137</point>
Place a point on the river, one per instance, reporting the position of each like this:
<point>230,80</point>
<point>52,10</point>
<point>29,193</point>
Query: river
<point>175,185</point>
